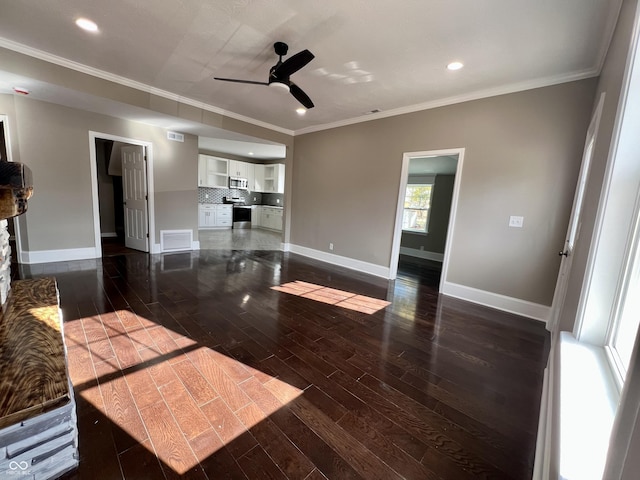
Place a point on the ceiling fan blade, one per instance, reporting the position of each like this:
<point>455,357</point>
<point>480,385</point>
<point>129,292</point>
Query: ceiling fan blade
<point>294,63</point>
<point>235,80</point>
<point>299,95</point>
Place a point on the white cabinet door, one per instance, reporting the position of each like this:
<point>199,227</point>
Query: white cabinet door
<point>251,174</point>
<point>258,178</point>
<point>238,169</point>
<point>256,214</point>
<point>206,216</point>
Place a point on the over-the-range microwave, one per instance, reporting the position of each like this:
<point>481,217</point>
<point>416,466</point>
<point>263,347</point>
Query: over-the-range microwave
<point>239,183</point>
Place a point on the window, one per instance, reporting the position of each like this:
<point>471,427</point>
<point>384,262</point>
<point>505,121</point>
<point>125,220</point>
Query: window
<point>622,335</point>
<point>417,202</point>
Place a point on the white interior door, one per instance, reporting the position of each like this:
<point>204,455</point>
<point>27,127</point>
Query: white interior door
<point>573,231</point>
<point>134,179</point>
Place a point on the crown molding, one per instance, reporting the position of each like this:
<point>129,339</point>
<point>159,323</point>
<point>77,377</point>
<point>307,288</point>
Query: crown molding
<point>127,82</point>
<point>478,95</point>
<point>491,92</point>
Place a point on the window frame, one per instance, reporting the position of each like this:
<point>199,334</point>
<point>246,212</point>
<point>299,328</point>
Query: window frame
<point>430,183</point>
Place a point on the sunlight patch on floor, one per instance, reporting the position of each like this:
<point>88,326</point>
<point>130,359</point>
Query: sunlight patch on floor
<point>180,400</point>
<point>332,296</point>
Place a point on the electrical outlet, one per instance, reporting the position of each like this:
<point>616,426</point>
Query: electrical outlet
<point>331,246</point>
<point>516,221</point>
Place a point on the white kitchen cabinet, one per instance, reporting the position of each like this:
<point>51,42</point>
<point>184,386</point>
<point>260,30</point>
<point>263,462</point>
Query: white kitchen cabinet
<point>258,178</point>
<point>238,169</point>
<point>215,216</point>
<point>256,216</point>
<point>251,173</point>
<point>271,218</point>
<point>274,178</point>
<point>213,171</point>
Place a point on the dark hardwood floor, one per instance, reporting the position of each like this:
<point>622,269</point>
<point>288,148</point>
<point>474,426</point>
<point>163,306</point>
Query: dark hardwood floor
<point>191,366</point>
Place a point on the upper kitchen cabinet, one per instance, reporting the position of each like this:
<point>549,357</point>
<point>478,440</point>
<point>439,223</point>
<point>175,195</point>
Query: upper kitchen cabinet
<point>274,178</point>
<point>213,171</point>
<point>258,178</point>
<point>238,169</point>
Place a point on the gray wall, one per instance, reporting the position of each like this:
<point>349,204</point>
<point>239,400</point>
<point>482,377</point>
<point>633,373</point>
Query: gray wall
<point>522,157</point>
<point>435,240</point>
<point>54,143</point>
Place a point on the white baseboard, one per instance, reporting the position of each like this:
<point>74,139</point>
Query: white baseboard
<point>346,262</point>
<point>195,245</point>
<point>65,255</point>
<point>109,235</point>
<point>497,301</point>
<point>413,252</point>
<point>156,248</point>
<point>286,247</point>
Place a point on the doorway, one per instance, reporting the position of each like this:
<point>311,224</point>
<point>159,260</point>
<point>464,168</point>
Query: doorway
<point>122,192</point>
<point>425,214</point>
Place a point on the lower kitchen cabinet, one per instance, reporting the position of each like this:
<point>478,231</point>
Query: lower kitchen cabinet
<point>215,216</point>
<point>271,218</point>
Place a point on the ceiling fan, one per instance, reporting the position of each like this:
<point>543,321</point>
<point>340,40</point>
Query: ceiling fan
<point>281,71</point>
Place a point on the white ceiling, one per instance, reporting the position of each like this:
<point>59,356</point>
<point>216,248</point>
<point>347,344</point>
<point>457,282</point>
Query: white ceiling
<point>370,54</point>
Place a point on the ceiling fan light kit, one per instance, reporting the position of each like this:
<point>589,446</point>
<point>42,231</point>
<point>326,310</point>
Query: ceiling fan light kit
<point>280,73</point>
<point>280,85</point>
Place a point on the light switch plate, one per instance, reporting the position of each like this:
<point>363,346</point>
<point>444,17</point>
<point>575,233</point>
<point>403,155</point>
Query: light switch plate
<point>516,221</point>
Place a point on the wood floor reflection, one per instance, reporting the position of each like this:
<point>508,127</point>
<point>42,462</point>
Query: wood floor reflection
<point>191,366</point>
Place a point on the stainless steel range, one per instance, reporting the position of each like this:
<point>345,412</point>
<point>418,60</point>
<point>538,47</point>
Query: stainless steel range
<point>241,212</point>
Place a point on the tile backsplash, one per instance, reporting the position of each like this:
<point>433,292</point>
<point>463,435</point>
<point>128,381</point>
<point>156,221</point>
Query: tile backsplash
<point>216,195</point>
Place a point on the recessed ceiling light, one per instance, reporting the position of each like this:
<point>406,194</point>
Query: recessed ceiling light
<point>455,66</point>
<point>86,24</point>
<point>250,153</point>
<point>301,111</point>
<point>21,90</point>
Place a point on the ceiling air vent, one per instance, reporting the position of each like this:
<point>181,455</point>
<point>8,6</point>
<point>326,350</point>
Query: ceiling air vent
<point>175,136</point>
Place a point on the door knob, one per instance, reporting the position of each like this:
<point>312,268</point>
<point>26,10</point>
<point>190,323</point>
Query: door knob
<point>565,253</point>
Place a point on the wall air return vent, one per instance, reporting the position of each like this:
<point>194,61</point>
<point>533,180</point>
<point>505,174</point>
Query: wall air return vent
<point>175,240</point>
<point>175,136</point>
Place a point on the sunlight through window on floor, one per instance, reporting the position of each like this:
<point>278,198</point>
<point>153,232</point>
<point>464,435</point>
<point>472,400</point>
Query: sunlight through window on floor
<point>332,296</point>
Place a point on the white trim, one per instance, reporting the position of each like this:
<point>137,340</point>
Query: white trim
<point>94,186</point>
<point>109,235</point>
<point>523,308</point>
<point>155,248</point>
<point>195,245</point>
<point>358,265</point>
<point>414,252</point>
<point>63,255</point>
<point>286,247</point>
<point>397,233</point>
<point>468,97</point>
<point>94,72</point>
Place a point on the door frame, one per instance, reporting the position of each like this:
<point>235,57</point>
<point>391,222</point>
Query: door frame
<point>397,232</point>
<point>148,146</point>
